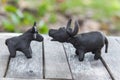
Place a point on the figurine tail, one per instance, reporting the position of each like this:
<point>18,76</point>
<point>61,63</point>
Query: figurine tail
<point>106,45</point>
<point>6,41</point>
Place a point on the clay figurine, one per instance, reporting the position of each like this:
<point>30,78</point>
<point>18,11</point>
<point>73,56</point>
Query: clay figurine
<point>22,42</point>
<point>85,42</point>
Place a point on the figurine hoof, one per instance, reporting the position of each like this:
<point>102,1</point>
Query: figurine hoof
<point>28,57</point>
<point>12,56</point>
<point>96,58</point>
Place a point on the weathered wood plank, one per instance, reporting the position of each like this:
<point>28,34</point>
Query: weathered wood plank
<point>56,65</point>
<point>20,79</point>
<point>89,69</point>
<point>21,67</point>
<point>23,79</point>
<point>4,54</point>
<point>28,79</point>
<point>112,58</point>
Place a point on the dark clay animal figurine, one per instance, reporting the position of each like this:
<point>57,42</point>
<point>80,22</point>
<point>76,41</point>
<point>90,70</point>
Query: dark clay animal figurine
<point>85,42</point>
<point>22,42</point>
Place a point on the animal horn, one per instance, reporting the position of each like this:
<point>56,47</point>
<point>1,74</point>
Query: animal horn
<point>75,31</point>
<point>76,28</point>
<point>69,23</point>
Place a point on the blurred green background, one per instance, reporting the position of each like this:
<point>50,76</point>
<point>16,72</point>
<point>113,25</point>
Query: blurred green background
<point>19,15</point>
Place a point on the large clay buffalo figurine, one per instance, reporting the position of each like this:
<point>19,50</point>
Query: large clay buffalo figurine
<point>22,42</point>
<point>85,42</point>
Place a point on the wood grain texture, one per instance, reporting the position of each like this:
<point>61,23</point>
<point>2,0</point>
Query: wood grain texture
<point>112,58</point>
<point>21,67</point>
<point>4,54</point>
<point>89,69</point>
<point>56,65</point>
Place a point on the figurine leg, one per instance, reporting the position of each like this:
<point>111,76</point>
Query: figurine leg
<point>97,55</point>
<point>81,55</point>
<point>12,51</point>
<point>27,53</point>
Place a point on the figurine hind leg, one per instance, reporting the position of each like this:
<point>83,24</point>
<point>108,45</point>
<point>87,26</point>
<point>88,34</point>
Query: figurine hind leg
<point>30,50</point>
<point>12,50</point>
<point>97,54</point>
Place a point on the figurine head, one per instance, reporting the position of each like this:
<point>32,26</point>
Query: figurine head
<point>63,34</point>
<point>35,35</point>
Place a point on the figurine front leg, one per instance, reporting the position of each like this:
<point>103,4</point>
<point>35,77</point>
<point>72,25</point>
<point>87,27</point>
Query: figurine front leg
<point>27,53</point>
<point>81,55</point>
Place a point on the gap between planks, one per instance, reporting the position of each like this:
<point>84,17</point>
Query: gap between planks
<point>107,68</point>
<point>67,60</point>
<point>7,67</point>
<point>43,58</point>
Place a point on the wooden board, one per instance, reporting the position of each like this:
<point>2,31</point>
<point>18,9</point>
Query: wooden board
<point>21,67</point>
<point>89,69</point>
<point>4,54</point>
<point>56,65</point>
<point>112,58</point>
<point>20,79</point>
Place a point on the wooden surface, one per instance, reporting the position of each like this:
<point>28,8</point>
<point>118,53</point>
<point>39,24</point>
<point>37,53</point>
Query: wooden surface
<point>52,60</point>
<point>21,79</point>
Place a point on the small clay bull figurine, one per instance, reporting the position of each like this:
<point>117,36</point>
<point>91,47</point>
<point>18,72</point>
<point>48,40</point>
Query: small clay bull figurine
<point>85,42</point>
<point>22,42</point>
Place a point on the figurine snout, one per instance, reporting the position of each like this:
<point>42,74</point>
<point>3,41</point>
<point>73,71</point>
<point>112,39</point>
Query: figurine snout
<point>52,32</point>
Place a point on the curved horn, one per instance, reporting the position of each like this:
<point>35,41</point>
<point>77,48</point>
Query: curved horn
<point>75,31</point>
<point>69,23</point>
<point>76,28</point>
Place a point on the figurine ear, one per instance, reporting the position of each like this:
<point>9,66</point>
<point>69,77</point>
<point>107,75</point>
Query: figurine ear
<point>75,31</point>
<point>34,29</point>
